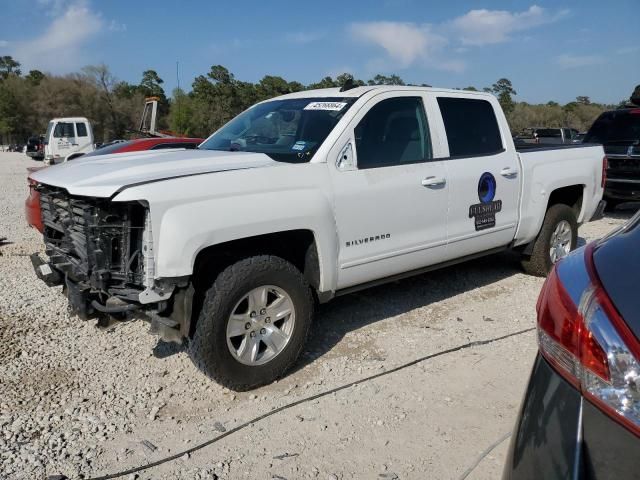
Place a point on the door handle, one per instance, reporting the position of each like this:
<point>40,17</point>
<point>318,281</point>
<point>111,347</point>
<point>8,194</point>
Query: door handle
<point>509,172</point>
<point>434,181</point>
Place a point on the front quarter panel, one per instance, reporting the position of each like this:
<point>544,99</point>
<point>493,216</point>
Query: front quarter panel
<point>192,213</point>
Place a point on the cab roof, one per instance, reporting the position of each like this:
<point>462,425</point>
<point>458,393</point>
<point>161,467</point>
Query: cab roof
<point>359,91</point>
<point>70,119</point>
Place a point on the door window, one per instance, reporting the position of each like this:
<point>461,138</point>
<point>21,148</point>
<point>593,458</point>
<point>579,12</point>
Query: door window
<point>63,130</point>
<point>81,128</point>
<point>471,126</point>
<point>393,132</point>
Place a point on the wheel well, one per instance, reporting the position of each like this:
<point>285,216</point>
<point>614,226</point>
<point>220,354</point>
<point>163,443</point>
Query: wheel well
<point>295,246</point>
<point>571,196</point>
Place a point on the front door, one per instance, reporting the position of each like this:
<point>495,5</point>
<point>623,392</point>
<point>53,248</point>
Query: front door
<point>391,206</point>
<point>64,138</point>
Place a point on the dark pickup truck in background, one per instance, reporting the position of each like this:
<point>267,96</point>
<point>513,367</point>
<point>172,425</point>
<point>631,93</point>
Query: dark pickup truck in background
<point>557,136</point>
<point>619,133</point>
<point>549,136</point>
<point>35,147</point>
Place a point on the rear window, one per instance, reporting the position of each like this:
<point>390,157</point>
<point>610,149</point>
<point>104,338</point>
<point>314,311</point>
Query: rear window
<point>471,126</point>
<point>549,132</point>
<point>615,126</point>
<point>81,128</point>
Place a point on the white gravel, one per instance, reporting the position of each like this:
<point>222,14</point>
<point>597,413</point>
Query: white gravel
<point>81,401</point>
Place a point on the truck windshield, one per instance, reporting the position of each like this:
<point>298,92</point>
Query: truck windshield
<point>285,130</point>
<point>618,126</point>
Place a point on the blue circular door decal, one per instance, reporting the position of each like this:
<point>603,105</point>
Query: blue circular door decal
<point>487,188</point>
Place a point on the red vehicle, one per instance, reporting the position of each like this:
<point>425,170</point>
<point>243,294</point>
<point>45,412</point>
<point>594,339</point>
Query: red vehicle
<point>32,204</point>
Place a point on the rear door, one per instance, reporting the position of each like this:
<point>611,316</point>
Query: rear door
<point>483,175</point>
<point>391,200</point>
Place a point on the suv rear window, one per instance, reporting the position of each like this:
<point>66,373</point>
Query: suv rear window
<point>615,126</point>
<point>471,126</point>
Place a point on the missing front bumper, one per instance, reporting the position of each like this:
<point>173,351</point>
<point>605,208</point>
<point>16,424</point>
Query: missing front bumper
<point>169,318</point>
<point>44,271</point>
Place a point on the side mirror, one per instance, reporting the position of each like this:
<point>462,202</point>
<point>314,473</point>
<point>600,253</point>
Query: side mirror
<point>345,160</point>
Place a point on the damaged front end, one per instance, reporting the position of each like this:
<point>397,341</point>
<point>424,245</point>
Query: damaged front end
<point>101,252</point>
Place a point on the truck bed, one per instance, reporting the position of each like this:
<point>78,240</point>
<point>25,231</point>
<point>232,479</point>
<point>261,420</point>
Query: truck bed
<point>546,168</point>
<point>538,147</point>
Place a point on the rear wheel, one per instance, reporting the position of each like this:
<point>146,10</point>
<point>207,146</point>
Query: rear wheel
<point>253,324</point>
<point>557,237</point>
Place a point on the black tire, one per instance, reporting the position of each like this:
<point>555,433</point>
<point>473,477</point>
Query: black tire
<point>540,263</point>
<point>208,347</point>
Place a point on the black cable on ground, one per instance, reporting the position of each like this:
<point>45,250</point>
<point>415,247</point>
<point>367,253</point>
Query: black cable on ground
<point>309,399</point>
<point>482,456</point>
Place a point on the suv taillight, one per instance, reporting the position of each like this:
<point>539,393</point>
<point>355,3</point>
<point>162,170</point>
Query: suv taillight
<point>605,165</point>
<point>590,345</point>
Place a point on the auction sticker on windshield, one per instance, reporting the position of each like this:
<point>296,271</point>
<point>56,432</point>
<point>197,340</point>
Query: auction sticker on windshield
<point>332,106</point>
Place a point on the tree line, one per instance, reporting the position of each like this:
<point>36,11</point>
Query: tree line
<point>114,107</point>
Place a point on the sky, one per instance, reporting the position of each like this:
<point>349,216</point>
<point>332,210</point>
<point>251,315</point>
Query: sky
<point>550,50</point>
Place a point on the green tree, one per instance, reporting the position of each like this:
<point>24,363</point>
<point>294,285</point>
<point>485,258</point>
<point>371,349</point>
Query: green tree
<point>583,100</point>
<point>125,90</point>
<point>343,78</point>
<point>220,74</point>
<point>271,86</point>
<point>151,84</point>
<point>34,77</point>
<point>8,67</point>
<point>326,82</point>
<point>384,80</point>
<point>181,116</point>
<point>503,89</point>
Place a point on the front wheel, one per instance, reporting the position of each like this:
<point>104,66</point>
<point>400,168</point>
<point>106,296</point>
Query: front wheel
<point>558,236</point>
<point>253,324</point>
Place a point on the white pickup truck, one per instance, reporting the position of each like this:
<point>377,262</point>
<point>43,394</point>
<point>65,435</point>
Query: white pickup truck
<point>297,200</point>
<point>67,138</point>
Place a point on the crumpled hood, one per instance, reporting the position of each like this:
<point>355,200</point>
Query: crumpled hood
<point>103,176</point>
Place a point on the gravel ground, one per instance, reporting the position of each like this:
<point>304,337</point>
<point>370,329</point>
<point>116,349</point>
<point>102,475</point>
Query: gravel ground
<point>83,401</point>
